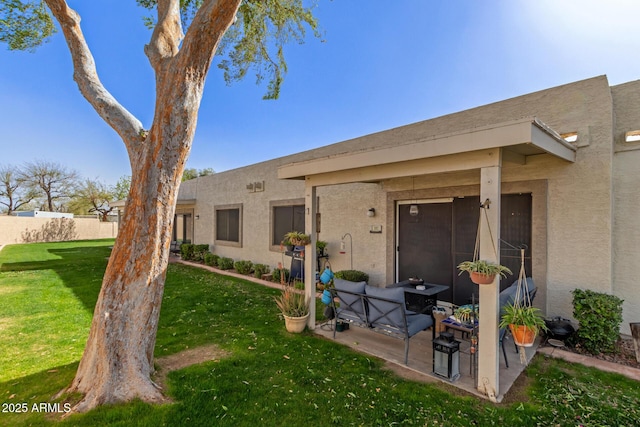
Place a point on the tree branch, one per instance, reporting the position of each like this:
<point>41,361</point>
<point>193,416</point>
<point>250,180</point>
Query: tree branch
<point>85,75</point>
<point>167,34</point>
<point>205,33</point>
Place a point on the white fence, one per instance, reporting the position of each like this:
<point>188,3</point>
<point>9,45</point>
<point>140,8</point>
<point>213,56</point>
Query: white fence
<point>15,229</point>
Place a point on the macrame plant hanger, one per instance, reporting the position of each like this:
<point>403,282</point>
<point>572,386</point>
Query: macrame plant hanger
<point>476,250</point>
<point>522,298</point>
<point>476,255</point>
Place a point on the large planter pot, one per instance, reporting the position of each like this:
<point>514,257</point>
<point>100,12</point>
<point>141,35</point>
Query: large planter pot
<point>523,336</point>
<point>482,279</point>
<point>295,324</point>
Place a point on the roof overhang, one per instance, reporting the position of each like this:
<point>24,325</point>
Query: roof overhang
<point>470,149</point>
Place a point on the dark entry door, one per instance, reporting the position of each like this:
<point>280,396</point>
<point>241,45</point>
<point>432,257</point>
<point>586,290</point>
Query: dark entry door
<point>442,235</point>
<point>424,243</point>
<point>515,232</point>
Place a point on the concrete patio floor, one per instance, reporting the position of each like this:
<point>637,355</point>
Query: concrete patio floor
<point>420,365</point>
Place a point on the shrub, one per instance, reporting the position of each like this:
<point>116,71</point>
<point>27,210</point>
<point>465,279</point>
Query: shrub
<point>199,251</point>
<point>600,316</point>
<point>208,259</point>
<point>352,275</point>
<point>186,251</point>
<point>260,269</point>
<point>225,263</point>
<point>277,273</point>
<point>243,267</point>
<point>215,259</point>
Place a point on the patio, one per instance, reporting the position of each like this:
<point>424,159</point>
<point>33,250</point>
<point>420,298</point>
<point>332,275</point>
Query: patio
<point>420,365</point>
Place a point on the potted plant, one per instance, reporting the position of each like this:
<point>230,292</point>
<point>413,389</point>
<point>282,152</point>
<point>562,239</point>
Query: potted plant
<point>320,247</point>
<point>465,314</point>
<point>294,307</point>
<point>524,321</point>
<point>286,245</point>
<point>297,238</point>
<point>483,272</point>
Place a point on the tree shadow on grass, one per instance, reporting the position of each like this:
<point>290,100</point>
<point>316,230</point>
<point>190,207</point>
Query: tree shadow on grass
<point>80,268</point>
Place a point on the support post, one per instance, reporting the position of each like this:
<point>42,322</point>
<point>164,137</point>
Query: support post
<point>488,366</point>
<point>310,256</point>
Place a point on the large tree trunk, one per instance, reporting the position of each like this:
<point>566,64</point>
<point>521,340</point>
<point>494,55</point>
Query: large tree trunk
<point>118,360</point>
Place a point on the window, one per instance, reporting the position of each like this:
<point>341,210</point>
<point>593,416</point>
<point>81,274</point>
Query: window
<point>228,221</point>
<point>286,218</point>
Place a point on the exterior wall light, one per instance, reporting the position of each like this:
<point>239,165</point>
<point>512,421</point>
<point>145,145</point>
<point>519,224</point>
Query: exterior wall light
<point>371,212</point>
<point>632,136</point>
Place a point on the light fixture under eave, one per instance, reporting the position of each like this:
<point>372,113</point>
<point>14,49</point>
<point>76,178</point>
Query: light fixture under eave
<point>413,209</point>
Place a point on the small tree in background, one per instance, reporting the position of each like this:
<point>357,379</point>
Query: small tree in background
<point>54,182</point>
<point>193,173</point>
<point>92,196</point>
<point>121,189</point>
<point>14,192</point>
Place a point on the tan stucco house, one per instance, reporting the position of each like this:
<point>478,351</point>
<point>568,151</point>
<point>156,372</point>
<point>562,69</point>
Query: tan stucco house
<point>561,168</point>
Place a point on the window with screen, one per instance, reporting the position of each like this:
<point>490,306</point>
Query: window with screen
<point>285,219</point>
<point>228,224</point>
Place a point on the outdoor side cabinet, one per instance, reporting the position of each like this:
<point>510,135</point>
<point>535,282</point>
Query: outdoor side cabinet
<point>446,357</point>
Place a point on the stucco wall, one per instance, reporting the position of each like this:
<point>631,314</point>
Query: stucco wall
<point>583,236</point>
<point>626,228</point>
<point>578,214</point>
<point>343,209</point>
<point>25,229</point>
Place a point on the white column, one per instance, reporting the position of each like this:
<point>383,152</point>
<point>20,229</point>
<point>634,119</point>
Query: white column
<point>310,256</point>
<point>489,355</point>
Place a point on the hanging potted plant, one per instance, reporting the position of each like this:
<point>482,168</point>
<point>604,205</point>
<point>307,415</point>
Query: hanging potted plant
<point>483,272</point>
<point>525,323</point>
<point>294,307</point>
<point>297,238</point>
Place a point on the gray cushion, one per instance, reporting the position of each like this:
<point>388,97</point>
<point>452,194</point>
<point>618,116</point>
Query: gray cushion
<point>351,306</point>
<point>418,322</point>
<point>386,312</point>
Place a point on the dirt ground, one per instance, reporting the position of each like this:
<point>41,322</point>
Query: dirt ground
<point>193,356</point>
<point>624,355</point>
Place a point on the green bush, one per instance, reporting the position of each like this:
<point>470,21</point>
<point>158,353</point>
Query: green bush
<point>225,263</point>
<point>199,251</point>
<point>215,259</point>
<point>600,316</point>
<point>208,259</point>
<point>352,275</point>
<point>243,267</point>
<point>260,269</point>
<point>277,273</point>
<point>186,251</point>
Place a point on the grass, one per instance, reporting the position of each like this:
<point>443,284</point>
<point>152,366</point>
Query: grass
<point>47,293</point>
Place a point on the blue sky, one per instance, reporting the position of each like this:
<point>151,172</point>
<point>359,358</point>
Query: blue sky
<point>380,65</point>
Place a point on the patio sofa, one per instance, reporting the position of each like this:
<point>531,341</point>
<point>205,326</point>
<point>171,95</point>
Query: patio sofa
<point>381,309</point>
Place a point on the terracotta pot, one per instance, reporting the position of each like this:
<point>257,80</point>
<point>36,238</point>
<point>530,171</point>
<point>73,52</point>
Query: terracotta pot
<point>523,336</point>
<point>482,279</point>
<point>295,324</point>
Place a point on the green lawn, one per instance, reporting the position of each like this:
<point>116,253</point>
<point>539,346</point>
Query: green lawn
<point>271,378</point>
